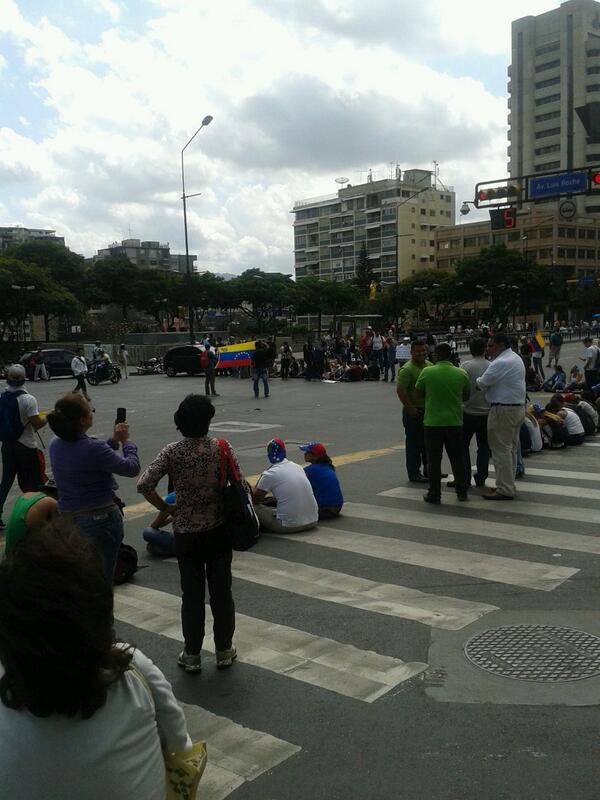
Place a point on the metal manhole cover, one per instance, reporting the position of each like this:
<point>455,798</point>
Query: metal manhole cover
<point>541,653</point>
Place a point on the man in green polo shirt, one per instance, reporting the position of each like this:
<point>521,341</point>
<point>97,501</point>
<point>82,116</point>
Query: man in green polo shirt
<point>444,387</point>
<point>413,410</point>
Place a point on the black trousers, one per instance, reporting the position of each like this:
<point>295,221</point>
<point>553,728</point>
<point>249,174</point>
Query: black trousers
<point>285,368</point>
<point>451,438</point>
<point>476,425</point>
<point>205,557</point>
<point>81,384</point>
<point>209,380</point>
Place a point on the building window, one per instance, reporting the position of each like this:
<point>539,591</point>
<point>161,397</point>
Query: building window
<point>545,254</point>
<point>595,157</point>
<point>545,233</point>
<point>547,132</point>
<point>548,166</point>
<point>432,243</point>
<point>549,65</point>
<point>547,82</point>
<point>551,148</point>
<point>593,71</point>
<point>413,211</point>
<point>483,240</point>
<point>423,212</point>
<point>566,233</point>
<point>454,244</point>
<point>593,87</point>
<point>470,241</point>
<point>551,98</point>
<point>548,115</point>
<point>444,245</point>
<point>432,212</point>
<point>514,236</point>
<point>548,48</point>
<point>593,52</point>
<point>592,209</point>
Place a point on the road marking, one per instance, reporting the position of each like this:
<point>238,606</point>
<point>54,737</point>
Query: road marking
<point>437,611</point>
<point>231,426</point>
<point>436,522</point>
<point>236,755</point>
<point>528,574</point>
<point>591,444</point>
<point>560,490</point>
<point>520,507</point>
<point>137,510</point>
<point>558,473</point>
<point>341,668</point>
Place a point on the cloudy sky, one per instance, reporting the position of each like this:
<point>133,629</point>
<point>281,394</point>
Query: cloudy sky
<point>98,97</point>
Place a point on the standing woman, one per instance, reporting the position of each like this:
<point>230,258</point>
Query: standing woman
<point>193,465</point>
<point>83,470</point>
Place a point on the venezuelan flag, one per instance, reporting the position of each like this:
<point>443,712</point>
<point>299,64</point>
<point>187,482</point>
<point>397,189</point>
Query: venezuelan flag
<point>538,342</point>
<point>236,355</point>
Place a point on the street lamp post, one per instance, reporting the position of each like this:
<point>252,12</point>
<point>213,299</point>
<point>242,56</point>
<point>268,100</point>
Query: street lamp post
<point>18,288</point>
<point>206,121</point>
<point>524,239</point>
<point>419,290</point>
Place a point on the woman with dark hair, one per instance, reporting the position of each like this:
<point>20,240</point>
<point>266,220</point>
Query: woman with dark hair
<point>83,470</point>
<point>193,465</point>
<point>75,720</point>
<point>323,479</point>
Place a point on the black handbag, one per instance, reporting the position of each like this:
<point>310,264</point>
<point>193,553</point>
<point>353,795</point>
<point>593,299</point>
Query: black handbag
<point>241,523</point>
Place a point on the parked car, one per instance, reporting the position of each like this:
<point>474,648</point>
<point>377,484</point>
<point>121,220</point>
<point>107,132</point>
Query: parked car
<point>58,362</point>
<point>183,358</point>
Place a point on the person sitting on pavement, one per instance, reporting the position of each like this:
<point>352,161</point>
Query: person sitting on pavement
<point>283,495</point>
<point>557,381</point>
<point>159,542</point>
<point>78,711</point>
<point>31,510</point>
<point>575,427</point>
<point>323,479</point>
<point>553,428</point>
<point>579,403</point>
<point>576,382</point>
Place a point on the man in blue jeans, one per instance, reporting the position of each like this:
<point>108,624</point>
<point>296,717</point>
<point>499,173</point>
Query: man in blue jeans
<point>413,411</point>
<point>260,368</point>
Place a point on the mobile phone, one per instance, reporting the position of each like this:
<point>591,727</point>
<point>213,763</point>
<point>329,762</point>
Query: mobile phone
<point>121,415</point>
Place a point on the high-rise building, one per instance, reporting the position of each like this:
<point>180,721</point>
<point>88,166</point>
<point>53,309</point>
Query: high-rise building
<point>10,236</point>
<point>152,255</point>
<point>393,218</point>
<point>555,70</point>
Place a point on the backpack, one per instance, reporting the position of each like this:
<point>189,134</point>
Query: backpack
<point>127,564</point>
<point>11,427</point>
<point>204,359</point>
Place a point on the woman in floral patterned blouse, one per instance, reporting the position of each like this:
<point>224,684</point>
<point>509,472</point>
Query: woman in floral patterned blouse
<point>201,544</point>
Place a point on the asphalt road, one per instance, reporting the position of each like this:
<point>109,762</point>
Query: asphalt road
<point>352,680</point>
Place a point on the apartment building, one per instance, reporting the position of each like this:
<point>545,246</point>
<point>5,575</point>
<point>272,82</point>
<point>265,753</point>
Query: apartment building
<point>555,70</point>
<point>395,219</point>
<point>10,236</point>
<point>152,255</point>
<point>546,239</point>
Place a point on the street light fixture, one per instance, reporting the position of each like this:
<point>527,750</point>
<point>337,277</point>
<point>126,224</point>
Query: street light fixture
<point>206,121</point>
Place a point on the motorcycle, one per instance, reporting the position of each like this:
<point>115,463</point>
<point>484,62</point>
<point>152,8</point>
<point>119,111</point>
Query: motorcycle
<point>152,366</point>
<point>100,371</point>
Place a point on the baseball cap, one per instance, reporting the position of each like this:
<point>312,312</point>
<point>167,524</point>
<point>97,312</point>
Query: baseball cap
<point>276,451</point>
<point>15,374</point>
<point>537,408</point>
<point>316,448</point>
<point>568,398</point>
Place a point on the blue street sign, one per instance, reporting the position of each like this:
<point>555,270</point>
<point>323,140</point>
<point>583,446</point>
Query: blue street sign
<point>587,280</point>
<point>554,185</point>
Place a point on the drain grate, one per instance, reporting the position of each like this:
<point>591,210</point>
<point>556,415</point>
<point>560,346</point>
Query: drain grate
<point>540,653</point>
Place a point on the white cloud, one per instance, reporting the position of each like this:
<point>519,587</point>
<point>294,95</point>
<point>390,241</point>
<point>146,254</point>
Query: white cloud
<point>300,93</point>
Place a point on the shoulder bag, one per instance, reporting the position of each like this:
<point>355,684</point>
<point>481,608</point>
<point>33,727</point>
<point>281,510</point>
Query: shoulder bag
<point>241,523</point>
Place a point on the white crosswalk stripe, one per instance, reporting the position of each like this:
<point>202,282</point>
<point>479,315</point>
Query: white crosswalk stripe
<point>558,473</point>
<point>542,537</point>
<point>570,513</point>
<point>528,487</point>
<point>235,754</point>
<point>591,444</point>
<point>435,610</point>
<point>341,668</point>
<point>529,574</point>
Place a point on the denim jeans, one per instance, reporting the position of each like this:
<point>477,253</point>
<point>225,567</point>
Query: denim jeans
<point>260,374</point>
<point>415,444</point>
<point>105,527</point>
<point>476,425</point>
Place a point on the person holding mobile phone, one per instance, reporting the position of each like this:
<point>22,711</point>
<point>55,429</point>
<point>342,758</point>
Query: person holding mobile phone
<point>84,470</point>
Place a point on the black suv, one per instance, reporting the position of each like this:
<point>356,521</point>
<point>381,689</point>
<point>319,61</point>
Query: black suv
<point>183,358</point>
<point>58,363</point>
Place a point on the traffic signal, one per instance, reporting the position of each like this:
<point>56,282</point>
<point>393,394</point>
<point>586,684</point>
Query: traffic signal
<point>503,218</point>
<point>499,192</point>
<point>595,180</point>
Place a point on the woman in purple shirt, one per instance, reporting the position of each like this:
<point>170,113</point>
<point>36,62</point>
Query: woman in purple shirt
<point>83,470</point>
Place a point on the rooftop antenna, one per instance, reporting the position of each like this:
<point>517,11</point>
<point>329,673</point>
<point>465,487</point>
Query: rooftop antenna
<point>342,180</point>
<point>437,177</point>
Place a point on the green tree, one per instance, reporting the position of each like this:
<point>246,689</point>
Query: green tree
<point>313,295</point>
<point>115,280</point>
<point>364,272</point>
<point>262,296</point>
<point>433,292</point>
<point>62,266</point>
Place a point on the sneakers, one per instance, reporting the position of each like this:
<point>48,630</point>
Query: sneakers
<point>188,662</point>
<point>225,658</point>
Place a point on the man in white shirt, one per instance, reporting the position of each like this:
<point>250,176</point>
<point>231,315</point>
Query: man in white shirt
<point>292,507</point>
<point>21,458</point>
<point>591,359</point>
<point>504,384</point>
<point>79,370</point>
